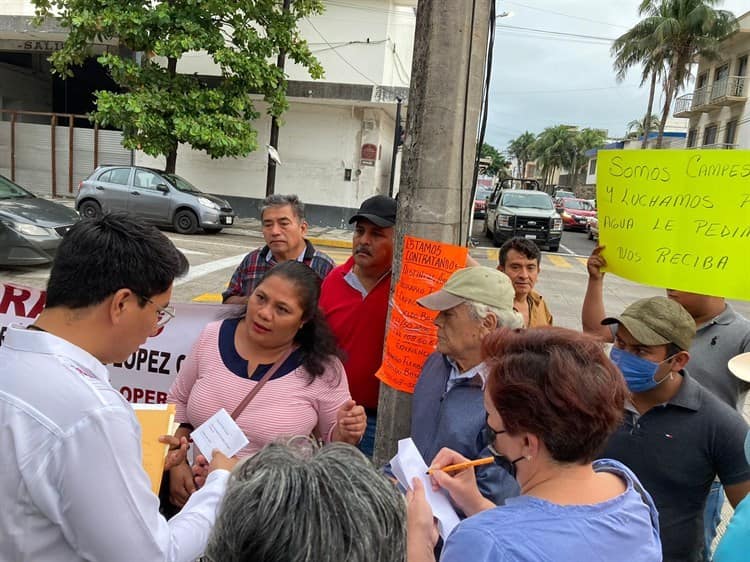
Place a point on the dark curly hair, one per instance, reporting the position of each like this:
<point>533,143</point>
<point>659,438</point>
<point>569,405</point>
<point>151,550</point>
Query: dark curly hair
<point>315,338</point>
<point>557,384</point>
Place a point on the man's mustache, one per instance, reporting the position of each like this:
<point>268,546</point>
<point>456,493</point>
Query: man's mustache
<point>362,250</point>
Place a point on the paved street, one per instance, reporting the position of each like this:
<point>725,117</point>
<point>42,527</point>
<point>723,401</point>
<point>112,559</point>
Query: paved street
<point>214,257</point>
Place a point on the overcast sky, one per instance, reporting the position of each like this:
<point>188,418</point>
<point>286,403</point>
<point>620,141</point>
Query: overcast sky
<point>540,80</point>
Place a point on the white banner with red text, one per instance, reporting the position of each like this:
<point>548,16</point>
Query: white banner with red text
<point>145,377</point>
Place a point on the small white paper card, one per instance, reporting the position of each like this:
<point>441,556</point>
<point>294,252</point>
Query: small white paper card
<point>408,464</point>
<point>221,432</point>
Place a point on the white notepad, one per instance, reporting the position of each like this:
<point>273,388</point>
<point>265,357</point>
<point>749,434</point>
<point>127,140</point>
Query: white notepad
<point>221,432</point>
<point>408,464</point>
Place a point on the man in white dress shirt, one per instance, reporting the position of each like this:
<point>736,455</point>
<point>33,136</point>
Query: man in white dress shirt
<point>71,480</point>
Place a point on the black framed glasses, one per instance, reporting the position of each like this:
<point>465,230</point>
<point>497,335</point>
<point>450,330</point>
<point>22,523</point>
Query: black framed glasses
<point>163,313</point>
<point>489,438</point>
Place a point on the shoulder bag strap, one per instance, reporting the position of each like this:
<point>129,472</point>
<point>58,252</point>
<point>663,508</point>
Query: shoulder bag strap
<point>250,395</point>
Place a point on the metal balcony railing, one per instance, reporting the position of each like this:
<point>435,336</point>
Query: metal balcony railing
<point>719,145</point>
<point>683,104</point>
<point>701,96</point>
<point>732,86</point>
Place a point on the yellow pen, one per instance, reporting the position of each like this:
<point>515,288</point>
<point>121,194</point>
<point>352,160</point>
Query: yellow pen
<point>462,465</point>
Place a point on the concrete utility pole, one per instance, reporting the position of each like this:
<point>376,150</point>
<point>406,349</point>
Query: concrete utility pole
<point>445,98</point>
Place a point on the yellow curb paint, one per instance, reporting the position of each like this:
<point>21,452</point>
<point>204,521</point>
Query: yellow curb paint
<point>492,254</point>
<point>208,297</point>
<point>558,261</point>
<point>583,260</point>
<point>330,242</point>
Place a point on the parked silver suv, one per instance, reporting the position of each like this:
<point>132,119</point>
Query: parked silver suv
<point>154,196</point>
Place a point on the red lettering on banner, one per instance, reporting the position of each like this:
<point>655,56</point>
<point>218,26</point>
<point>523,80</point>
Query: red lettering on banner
<point>18,297</point>
<point>143,395</point>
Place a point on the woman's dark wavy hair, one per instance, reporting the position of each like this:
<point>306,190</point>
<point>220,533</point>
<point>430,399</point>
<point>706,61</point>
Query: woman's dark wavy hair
<point>315,338</point>
<point>557,384</point>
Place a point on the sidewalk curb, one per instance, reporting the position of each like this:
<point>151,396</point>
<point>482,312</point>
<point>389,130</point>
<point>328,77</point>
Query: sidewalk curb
<point>330,242</point>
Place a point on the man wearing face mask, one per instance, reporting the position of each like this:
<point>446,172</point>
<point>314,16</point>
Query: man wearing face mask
<point>675,436</point>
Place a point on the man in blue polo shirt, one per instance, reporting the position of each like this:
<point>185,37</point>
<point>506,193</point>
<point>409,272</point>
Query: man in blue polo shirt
<point>676,436</point>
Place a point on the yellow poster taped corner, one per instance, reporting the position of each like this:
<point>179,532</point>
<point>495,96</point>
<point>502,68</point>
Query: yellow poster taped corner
<point>677,219</point>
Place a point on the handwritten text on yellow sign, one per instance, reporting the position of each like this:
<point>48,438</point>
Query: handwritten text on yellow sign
<point>677,218</point>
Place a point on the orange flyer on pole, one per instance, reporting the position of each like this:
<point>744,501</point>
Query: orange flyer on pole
<point>156,420</point>
<point>425,267</point>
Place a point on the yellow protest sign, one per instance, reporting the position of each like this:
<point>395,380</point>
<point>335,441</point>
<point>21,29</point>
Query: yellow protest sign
<point>677,219</point>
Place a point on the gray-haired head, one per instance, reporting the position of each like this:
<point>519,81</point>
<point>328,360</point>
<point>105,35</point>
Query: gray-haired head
<point>279,200</point>
<point>510,319</point>
<point>295,502</point>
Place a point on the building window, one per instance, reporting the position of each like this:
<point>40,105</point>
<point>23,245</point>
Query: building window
<point>729,135</point>
<point>692,133</point>
<point>709,135</point>
<point>592,166</point>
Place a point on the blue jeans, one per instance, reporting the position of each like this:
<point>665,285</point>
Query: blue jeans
<point>712,517</point>
<point>367,444</point>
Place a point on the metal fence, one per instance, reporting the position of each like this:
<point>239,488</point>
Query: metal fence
<point>51,153</point>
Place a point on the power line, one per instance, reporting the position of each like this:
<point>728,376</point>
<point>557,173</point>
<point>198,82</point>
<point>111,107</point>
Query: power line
<point>537,37</point>
<point>370,80</point>
<point>515,93</point>
<point>566,15</point>
<point>557,33</point>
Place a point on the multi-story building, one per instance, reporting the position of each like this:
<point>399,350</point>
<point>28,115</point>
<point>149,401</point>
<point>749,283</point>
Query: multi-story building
<point>717,108</point>
<point>336,141</point>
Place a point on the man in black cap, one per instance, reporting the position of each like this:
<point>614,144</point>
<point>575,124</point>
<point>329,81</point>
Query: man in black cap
<point>354,298</point>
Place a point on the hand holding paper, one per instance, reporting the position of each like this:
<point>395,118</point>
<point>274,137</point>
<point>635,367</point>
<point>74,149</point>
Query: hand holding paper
<point>220,432</point>
<point>409,464</point>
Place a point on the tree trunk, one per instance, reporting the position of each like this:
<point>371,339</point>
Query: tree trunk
<point>171,164</point>
<point>649,111</point>
<point>435,179</point>
<point>668,94</point>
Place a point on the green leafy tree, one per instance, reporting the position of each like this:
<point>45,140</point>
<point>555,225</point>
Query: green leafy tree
<point>640,46</point>
<point>637,130</point>
<point>681,31</point>
<point>584,140</point>
<point>554,149</point>
<point>157,108</point>
<point>522,149</point>
<point>499,162</point>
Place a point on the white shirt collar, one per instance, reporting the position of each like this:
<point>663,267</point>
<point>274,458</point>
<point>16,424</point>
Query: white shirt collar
<point>19,338</point>
<point>300,258</point>
<point>455,375</point>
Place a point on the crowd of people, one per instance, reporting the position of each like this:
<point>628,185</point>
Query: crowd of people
<point>624,455</point>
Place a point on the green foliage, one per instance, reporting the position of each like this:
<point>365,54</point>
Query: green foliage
<point>564,147</point>
<point>522,149</point>
<point>666,42</point>
<point>158,108</point>
<point>499,162</point>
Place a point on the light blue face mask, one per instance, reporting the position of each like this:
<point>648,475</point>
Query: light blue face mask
<point>638,372</point>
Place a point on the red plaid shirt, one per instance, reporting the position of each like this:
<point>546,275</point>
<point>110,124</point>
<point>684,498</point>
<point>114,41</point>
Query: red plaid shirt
<point>257,263</point>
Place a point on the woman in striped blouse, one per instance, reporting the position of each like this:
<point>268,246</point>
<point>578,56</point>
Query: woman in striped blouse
<point>307,394</point>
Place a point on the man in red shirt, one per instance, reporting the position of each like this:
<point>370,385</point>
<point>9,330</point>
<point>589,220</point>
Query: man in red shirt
<point>354,299</point>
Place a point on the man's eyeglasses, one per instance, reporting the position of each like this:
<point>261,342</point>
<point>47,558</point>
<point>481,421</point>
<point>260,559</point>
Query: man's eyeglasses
<point>163,313</point>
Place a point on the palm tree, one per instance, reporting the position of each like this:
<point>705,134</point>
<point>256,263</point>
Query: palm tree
<point>521,149</point>
<point>636,128</point>
<point>583,141</point>
<point>639,46</point>
<point>554,149</point>
<point>682,31</point>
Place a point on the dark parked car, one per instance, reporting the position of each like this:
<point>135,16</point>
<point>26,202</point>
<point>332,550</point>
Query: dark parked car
<point>155,196</point>
<point>526,213</point>
<point>31,228</point>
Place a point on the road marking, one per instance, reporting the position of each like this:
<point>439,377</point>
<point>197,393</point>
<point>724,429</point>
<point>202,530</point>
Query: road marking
<point>192,252</point>
<point>570,252</point>
<point>208,268</point>
<point>492,254</point>
<point>559,261</point>
<point>208,297</point>
<point>584,261</point>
